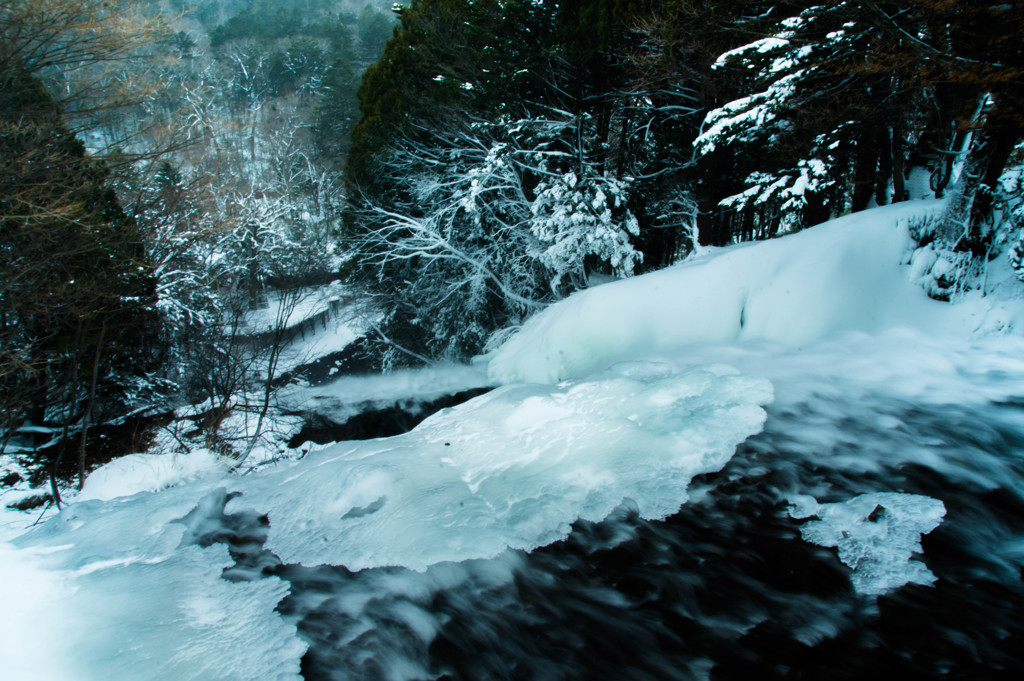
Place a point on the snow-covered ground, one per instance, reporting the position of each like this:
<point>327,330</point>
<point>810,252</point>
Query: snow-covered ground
<point>292,307</point>
<point>317,321</point>
<point>844,276</point>
<point>616,398</point>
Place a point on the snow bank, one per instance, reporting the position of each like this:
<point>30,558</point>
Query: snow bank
<point>136,473</point>
<point>842,276</point>
<point>510,469</point>
<point>876,535</point>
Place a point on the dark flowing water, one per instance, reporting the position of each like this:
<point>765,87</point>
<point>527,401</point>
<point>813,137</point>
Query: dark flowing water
<point>727,588</point>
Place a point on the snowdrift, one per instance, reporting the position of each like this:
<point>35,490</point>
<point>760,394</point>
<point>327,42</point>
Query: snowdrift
<point>846,275</point>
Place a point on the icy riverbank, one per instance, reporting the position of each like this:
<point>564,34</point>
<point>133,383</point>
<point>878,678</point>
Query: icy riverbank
<point>378,554</point>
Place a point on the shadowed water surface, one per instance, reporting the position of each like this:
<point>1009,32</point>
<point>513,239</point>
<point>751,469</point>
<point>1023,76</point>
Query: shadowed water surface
<point>726,588</point>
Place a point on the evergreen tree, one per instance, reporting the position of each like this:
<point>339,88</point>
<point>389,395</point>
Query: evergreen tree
<point>338,107</point>
<point>78,326</point>
<point>546,75</point>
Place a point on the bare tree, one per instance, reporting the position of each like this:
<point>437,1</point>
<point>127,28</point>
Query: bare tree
<point>491,220</point>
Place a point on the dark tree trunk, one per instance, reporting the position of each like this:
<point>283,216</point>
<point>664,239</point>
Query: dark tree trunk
<point>885,167</point>
<point>965,221</point>
<point>816,211</point>
<point>864,171</point>
<point>1001,142</point>
<point>899,186</point>
<point>91,404</point>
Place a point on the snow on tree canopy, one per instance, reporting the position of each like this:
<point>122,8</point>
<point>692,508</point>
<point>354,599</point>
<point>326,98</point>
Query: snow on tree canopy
<point>573,219</point>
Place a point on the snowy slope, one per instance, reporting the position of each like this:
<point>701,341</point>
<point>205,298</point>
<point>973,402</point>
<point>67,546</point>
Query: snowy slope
<point>847,275</point>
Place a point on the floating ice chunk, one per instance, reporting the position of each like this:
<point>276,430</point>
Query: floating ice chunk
<point>510,469</point>
<point>876,535</point>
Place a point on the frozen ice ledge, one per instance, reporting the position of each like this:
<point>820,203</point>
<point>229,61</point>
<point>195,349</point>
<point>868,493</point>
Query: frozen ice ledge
<point>511,469</point>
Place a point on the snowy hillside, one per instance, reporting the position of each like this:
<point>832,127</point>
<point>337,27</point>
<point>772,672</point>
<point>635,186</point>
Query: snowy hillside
<point>844,276</point>
<point>615,401</point>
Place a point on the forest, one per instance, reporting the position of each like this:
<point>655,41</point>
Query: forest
<point>454,165</point>
<point>511,339</point>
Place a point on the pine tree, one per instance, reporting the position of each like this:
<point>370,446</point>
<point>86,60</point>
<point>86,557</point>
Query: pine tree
<point>528,101</point>
<point>78,328</point>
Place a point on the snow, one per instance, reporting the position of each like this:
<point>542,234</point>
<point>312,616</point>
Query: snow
<point>337,331</point>
<point>298,306</point>
<point>745,118</point>
<point>345,396</point>
<point>876,535</point>
<point>844,276</point>
<point>762,46</point>
<point>28,629</point>
<point>107,590</point>
<point>307,303</point>
<point>118,586</point>
<point>918,184</point>
<point>614,398</point>
<point>421,383</point>
<point>136,473</point>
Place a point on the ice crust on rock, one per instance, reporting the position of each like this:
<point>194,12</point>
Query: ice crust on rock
<point>509,469</point>
<point>875,534</point>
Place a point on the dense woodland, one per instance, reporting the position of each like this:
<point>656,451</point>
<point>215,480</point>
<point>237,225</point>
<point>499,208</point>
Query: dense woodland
<point>508,151</point>
<point>165,169</point>
<point>460,163</point>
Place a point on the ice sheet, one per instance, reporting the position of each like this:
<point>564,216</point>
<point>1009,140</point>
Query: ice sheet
<point>510,469</point>
<point>107,590</point>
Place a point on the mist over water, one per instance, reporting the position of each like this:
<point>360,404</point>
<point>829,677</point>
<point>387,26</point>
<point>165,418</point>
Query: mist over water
<point>728,587</point>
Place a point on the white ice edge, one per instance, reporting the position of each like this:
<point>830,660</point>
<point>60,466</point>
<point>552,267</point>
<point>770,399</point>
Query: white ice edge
<point>876,535</point>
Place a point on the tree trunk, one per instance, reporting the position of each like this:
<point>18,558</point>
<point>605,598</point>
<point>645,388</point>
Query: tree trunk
<point>864,171</point>
<point>69,406</point>
<point>899,186</point>
<point>965,221</point>
<point>90,404</point>
<point>885,167</point>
